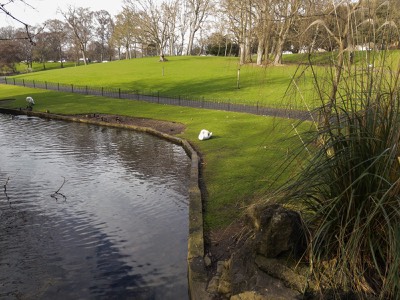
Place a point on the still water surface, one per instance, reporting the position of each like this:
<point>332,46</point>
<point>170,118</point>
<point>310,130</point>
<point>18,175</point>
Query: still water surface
<point>117,230</point>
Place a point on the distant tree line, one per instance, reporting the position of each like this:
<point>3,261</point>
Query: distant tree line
<point>257,31</point>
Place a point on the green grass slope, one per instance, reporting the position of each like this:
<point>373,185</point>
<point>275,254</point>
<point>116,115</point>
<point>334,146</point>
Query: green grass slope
<point>241,161</point>
<point>193,77</point>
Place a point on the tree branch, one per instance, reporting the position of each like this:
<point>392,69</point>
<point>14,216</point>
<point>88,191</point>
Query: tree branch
<point>3,9</point>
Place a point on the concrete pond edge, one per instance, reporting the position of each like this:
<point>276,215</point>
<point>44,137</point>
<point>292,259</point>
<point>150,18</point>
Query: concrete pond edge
<point>197,274</point>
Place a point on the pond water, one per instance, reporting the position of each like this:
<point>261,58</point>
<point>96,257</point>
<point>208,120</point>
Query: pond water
<point>116,229</point>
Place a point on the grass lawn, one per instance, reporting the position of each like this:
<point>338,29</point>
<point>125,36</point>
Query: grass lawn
<point>194,77</point>
<point>241,161</point>
<point>36,67</point>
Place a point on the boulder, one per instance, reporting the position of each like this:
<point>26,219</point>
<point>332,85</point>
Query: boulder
<point>278,231</point>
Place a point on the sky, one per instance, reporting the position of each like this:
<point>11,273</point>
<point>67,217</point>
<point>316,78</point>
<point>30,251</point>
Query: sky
<point>47,9</point>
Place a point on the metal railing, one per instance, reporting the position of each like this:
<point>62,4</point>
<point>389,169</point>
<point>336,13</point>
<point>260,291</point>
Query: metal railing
<point>155,97</point>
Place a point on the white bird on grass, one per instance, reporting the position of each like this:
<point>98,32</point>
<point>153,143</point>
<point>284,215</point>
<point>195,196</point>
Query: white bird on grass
<point>30,101</point>
<point>204,135</point>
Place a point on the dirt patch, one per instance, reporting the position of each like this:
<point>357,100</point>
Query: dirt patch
<point>222,242</point>
<point>167,127</point>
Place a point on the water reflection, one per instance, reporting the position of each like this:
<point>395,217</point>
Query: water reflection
<point>121,233</point>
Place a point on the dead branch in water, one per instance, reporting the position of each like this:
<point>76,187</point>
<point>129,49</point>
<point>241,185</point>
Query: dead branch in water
<point>5,184</point>
<point>57,193</point>
<point>5,187</point>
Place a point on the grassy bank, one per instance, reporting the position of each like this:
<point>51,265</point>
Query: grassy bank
<point>241,161</point>
<point>214,78</point>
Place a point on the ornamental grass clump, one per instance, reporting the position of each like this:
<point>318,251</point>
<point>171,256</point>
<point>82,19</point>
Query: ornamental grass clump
<point>349,189</point>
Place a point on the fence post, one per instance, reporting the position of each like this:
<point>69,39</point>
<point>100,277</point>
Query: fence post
<point>45,84</point>
<point>58,85</point>
<point>5,78</point>
<point>34,85</point>
<point>102,91</point>
<point>86,90</point>
<point>72,88</point>
<point>257,108</point>
<point>23,82</point>
<point>14,80</point>
<point>158,97</point>
<point>179,100</point>
<point>119,93</point>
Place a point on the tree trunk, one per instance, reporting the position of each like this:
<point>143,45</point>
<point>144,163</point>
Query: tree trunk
<point>162,56</point>
<point>190,45</point>
<point>242,54</point>
<point>83,54</point>
<point>280,42</point>
<point>260,51</point>
<point>248,58</point>
<point>267,43</point>
<point>61,57</point>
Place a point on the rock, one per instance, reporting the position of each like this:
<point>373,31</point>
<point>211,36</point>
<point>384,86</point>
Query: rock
<point>274,268</point>
<point>224,286</point>
<point>215,282</point>
<point>278,231</point>
<point>207,261</point>
<point>256,269</point>
<point>212,287</point>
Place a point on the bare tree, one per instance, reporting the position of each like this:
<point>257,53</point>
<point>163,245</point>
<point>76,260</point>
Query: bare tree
<point>153,23</point>
<point>80,21</point>
<point>58,38</point>
<point>44,48</point>
<point>10,51</point>
<point>285,13</point>
<point>198,12</point>
<point>238,13</point>
<point>183,25</point>
<point>27,45</point>
<point>172,14</point>
<point>125,32</point>
<point>263,27</point>
<point>104,29</point>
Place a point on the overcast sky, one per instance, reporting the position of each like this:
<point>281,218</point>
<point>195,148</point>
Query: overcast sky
<point>47,9</point>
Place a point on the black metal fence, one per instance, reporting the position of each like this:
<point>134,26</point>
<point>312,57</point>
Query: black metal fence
<point>155,97</point>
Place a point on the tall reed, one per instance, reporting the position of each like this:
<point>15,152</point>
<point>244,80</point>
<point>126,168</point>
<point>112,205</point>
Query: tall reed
<point>350,187</point>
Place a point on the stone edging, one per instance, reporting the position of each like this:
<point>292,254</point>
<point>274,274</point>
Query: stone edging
<point>197,275</point>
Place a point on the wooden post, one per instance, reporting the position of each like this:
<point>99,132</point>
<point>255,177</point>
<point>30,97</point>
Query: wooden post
<point>238,78</point>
